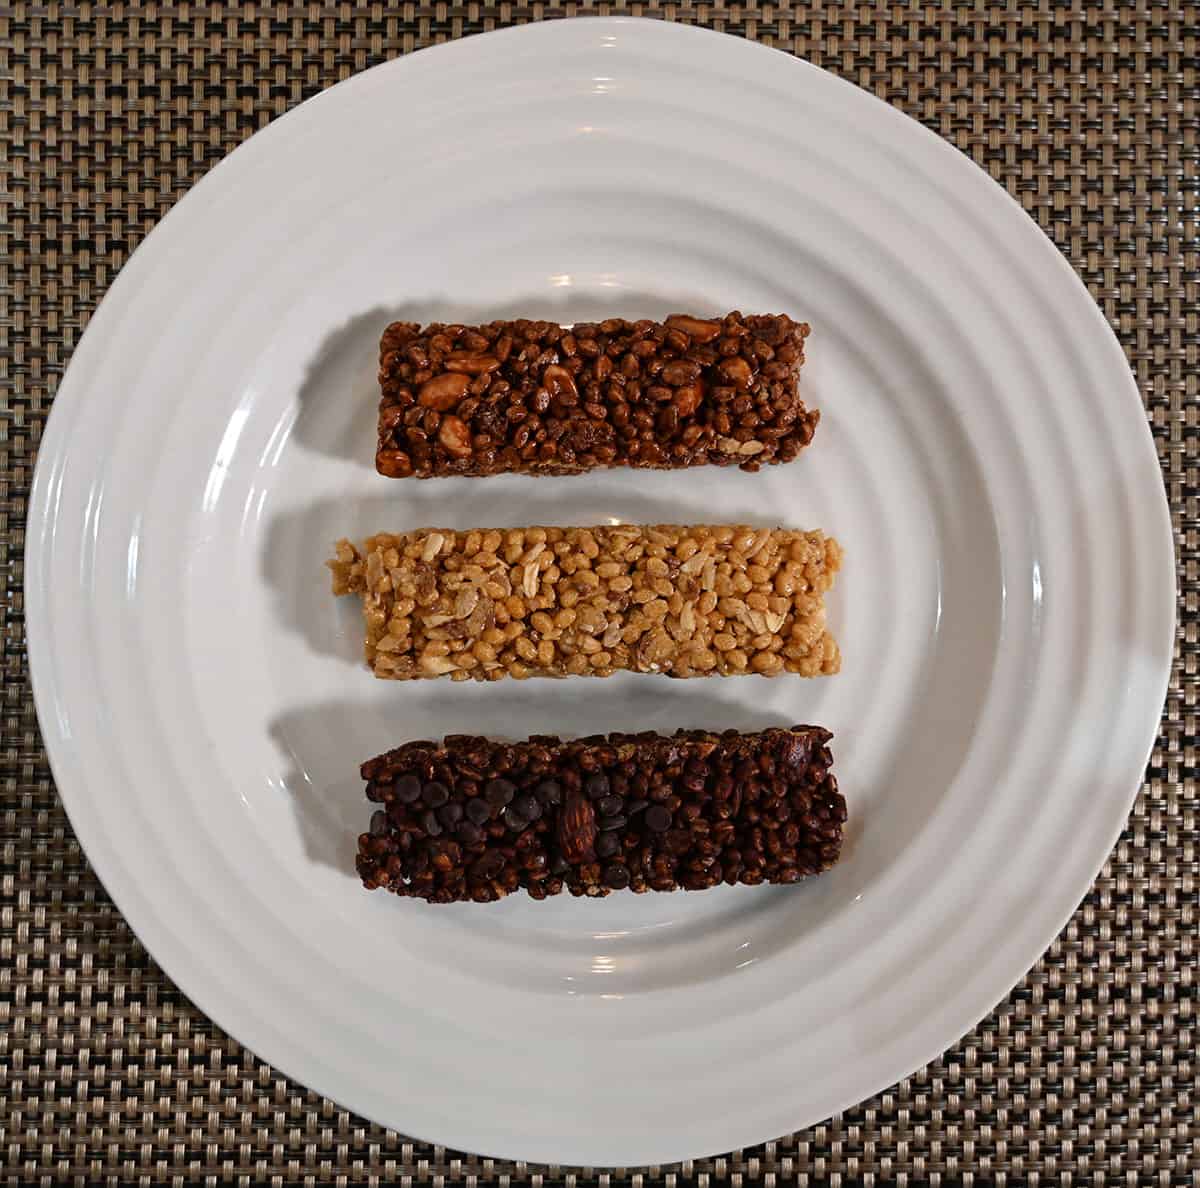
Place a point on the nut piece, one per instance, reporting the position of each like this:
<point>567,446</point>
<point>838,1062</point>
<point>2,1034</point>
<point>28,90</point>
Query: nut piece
<point>737,371</point>
<point>393,463</point>
<point>471,364</point>
<point>682,371</point>
<point>694,328</point>
<point>687,399</point>
<point>443,391</point>
<point>558,380</point>
<point>455,436</point>
<point>577,828</point>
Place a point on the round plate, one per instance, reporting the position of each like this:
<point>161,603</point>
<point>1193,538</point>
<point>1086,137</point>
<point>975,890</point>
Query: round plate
<point>1005,610</point>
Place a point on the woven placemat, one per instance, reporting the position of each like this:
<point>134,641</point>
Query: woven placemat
<point>1088,115</point>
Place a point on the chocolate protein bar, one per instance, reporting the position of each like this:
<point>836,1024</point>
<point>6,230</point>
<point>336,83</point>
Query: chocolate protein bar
<point>476,820</point>
<point>684,601</point>
<point>537,398</point>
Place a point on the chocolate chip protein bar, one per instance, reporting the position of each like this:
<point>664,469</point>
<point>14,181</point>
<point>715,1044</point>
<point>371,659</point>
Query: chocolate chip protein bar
<point>477,820</point>
<point>537,398</point>
<point>683,601</point>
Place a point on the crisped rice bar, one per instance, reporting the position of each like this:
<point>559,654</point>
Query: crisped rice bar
<point>476,820</point>
<point>683,601</point>
<point>537,398</point>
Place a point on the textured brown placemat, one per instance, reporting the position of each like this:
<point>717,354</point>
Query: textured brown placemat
<point>1089,115</point>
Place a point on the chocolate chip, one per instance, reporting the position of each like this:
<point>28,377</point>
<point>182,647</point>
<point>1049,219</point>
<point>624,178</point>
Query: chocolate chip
<point>499,791</point>
<point>431,824</point>
<point>450,814</point>
<point>596,785</point>
<point>610,804</point>
<point>658,818</point>
<point>635,806</point>
<point>469,833</point>
<point>616,821</point>
<point>436,794</point>
<point>407,789</point>
<point>527,805</point>
<point>559,865</point>
<point>379,822</point>
<point>514,819</point>
<point>616,876</point>
<point>478,811</point>
<point>549,792</point>
<point>607,844</point>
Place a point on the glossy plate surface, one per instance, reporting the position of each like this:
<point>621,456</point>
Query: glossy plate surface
<point>1005,610</point>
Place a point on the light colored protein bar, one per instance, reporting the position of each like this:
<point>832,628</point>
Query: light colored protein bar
<point>682,601</point>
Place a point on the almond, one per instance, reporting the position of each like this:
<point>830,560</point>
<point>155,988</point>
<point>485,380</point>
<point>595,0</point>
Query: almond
<point>443,391</point>
<point>455,436</point>
<point>694,328</point>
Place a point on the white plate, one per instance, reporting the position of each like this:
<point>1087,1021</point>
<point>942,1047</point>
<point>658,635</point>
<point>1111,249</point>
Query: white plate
<point>1005,611</point>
